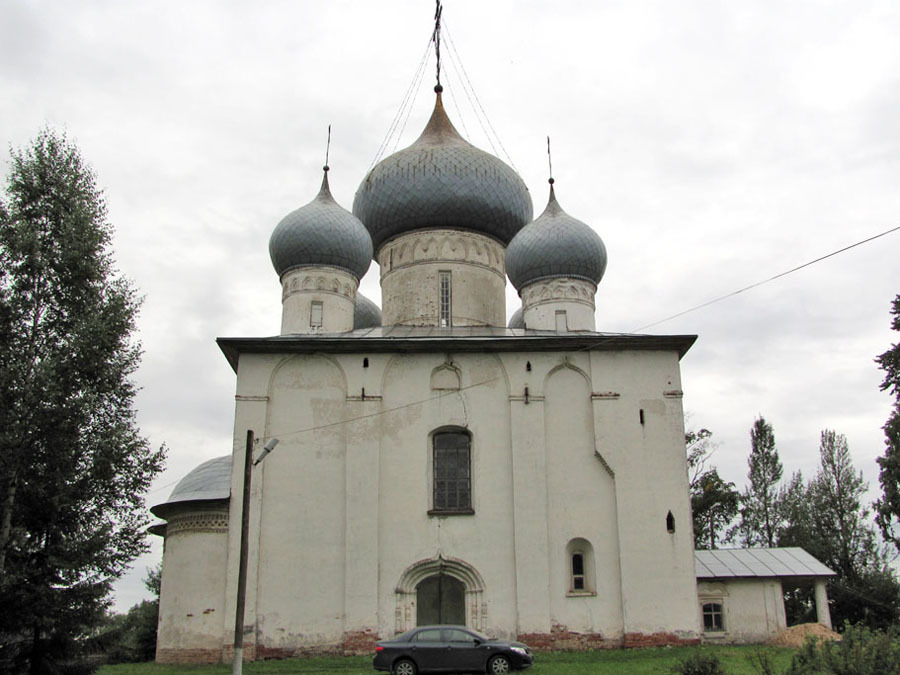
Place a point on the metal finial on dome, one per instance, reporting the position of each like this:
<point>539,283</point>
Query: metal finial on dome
<point>436,39</point>
<point>327,150</point>
<point>550,162</point>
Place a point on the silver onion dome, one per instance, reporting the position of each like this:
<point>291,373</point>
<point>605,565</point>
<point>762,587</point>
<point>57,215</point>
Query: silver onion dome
<point>555,245</point>
<point>442,181</point>
<point>366,314</point>
<point>321,233</point>
<point>517,320</point>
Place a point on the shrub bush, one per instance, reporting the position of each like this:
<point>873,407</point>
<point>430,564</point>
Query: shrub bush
<point>860,651</point>
<point>699,663</point>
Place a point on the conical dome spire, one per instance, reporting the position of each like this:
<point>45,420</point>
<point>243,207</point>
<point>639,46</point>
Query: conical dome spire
<point>321,233</point>
<point>555,245</point>
<point>442,181</point>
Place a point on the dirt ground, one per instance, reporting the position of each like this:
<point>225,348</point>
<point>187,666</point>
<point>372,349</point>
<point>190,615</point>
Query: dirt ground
<point>796,635</point>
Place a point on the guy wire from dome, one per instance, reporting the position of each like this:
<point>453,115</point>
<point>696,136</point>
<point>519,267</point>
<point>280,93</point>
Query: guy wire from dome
<point>398,123</point>
<point>442,181</point>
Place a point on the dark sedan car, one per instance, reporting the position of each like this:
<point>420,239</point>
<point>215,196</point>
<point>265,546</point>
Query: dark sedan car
<point>449,649</point>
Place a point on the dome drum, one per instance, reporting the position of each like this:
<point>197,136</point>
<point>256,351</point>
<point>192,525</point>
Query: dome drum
<point>563,304</point>
<point>443,278</point>
<point>317,300</point>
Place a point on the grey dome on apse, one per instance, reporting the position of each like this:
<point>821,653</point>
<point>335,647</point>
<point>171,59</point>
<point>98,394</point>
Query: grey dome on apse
<point>555,245</point>
<point>366,314</point>
<point>517,320</point>
<point>442,181</point>
<point>321,233</point>
<point>207,482</point>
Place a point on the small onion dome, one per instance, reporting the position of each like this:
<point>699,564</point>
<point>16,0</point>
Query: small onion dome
<point>366,314</point>
<point>321,233</point>
<point>442,181</point>
<point>517,320</point>
<point>555,245</point>
<point>211,481</point>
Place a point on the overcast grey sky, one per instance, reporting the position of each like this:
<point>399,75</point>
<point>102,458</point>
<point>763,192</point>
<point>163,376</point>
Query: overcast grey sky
<point>710,144</point>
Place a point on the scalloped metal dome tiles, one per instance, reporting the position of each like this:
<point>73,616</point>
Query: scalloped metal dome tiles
<point>555,245</point>
<point>366,314</point>
<point>211,480</point>
<point>321,233</point>
<point>442,181</point>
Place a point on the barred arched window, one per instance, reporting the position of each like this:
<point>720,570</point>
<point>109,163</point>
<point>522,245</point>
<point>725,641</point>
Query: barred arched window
<point>452,476</point>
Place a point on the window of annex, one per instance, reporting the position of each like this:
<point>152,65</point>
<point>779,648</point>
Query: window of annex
<point>713,617</point>
<point>580,558</point>
<point>451,473</point>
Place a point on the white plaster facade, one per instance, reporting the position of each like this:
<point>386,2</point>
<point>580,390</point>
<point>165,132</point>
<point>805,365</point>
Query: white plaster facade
<point>582,444</point>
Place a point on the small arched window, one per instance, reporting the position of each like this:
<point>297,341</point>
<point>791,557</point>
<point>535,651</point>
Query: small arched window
<point>580,556</point>
<point>670,523</point>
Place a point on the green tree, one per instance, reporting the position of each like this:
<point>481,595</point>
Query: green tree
<point>73,465</point>
<point>760,515</point>
<point>714,502</point>
<point>131,637</point>
<point>888,507</point>
<point>794,529</point>
<point>831,522</point>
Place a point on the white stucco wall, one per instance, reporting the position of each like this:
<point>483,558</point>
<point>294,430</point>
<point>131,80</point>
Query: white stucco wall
<point>192,601</point>
<point>753,609</point>
<point>340,530</point>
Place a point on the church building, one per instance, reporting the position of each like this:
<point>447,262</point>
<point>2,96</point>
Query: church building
<point>436,465</point>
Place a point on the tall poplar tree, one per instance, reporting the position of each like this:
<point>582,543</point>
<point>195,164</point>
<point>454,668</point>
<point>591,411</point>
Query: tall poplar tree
<point>888,507</point>
<point>73,465</point>
<point>760,512</point>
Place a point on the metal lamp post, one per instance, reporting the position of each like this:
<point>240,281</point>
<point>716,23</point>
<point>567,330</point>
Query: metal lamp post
<point>237,663</point>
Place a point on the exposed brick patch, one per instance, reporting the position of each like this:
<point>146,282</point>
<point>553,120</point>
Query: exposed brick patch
<point>658,640</point>
<point>359,642</point>
<point>263,653</point>
<point>560,638</point>
<point>185,656</point>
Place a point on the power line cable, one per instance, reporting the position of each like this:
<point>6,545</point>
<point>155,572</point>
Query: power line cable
<point>413,85</point>
<point>765,281</point>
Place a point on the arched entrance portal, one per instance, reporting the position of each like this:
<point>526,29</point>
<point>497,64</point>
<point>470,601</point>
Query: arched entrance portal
<point>440,590</point>
<point>440,599</point>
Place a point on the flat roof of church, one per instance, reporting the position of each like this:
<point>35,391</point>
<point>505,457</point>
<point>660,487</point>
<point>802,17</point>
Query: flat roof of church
<point>458,339</point>
<point>732,563</point>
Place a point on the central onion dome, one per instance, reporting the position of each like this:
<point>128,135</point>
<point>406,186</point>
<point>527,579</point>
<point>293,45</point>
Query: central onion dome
<point>555,245</point>
<point>321,233</point>
<point>442,181</point>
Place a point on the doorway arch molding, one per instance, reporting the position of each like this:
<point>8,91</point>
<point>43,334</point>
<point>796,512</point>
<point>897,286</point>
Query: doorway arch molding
<point>405,592</point>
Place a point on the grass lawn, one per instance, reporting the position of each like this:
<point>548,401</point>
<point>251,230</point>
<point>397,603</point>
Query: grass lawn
<point>736,660</point>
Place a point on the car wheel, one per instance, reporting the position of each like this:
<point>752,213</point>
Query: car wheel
<point>498,664</point>
<point>404,667</point>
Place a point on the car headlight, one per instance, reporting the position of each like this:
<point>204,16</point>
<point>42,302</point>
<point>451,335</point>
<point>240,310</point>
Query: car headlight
<point>519,650</point>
